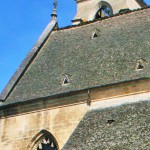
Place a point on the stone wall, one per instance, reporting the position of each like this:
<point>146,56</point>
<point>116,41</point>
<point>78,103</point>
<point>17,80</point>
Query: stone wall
<point>17,132</point>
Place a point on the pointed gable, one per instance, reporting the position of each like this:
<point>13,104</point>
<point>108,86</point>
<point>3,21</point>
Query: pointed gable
<point>109,58</point>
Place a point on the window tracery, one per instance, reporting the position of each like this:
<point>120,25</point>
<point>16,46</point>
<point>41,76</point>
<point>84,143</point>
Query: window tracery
<point>43,140</point>
<point>46,143</point>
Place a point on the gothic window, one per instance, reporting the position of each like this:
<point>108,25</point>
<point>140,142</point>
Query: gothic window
<point>46,144</point>
<point>43,140</point>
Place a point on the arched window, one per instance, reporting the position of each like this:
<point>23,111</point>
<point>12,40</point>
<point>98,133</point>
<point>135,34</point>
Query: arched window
<point>47,143</point>
<point>44,140</point>
<point>105,10</point>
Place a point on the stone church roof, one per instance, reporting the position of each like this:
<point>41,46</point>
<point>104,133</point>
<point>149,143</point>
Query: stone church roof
<point>100,53</point>
<point>122,127</point>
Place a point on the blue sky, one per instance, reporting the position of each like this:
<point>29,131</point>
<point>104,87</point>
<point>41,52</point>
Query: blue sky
<point>21,23</point>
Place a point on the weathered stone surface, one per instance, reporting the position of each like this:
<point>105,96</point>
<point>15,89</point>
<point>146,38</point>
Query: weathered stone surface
<point>86,10</point>
<point>17,132</point>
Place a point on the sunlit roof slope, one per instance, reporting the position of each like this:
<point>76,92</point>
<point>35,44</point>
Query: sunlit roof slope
<point>100,53</point>
<point>122,127</point>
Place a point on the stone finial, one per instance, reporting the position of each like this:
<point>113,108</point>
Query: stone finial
<point>55,4</point>
<point>54,15</point>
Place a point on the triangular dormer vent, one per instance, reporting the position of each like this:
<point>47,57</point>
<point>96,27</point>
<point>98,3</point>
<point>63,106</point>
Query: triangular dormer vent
<point>140,64</point>
<point>66,80</point>
<point>94,35</point>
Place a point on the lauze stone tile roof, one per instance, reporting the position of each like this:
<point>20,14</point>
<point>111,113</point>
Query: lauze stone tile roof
<point>120,45</point>
<point>118,128</point>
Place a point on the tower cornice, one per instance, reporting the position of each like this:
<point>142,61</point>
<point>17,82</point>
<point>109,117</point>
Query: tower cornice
<point>88,10</point>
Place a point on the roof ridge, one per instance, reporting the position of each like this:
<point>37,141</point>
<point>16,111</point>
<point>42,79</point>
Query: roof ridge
<point>100,19</point>
<point>27,61</point>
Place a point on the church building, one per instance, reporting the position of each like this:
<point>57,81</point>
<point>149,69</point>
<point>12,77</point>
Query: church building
<point>85,86</point>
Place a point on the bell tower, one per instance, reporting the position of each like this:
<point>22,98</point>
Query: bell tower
<point>92,9</point>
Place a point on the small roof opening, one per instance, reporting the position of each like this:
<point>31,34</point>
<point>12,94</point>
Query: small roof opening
<point>66,80</point>
<point>140,64</point>
<point>94,35</point>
